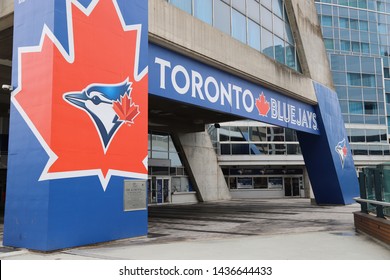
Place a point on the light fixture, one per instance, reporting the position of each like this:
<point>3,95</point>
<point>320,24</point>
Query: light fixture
<point>7,87</point>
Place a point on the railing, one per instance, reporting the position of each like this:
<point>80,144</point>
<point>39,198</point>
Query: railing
<point>378,204</point>
<point>375,190</point>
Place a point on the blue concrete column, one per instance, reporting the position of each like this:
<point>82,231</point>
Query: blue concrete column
<point>78,129</point>
<point>327,156</point>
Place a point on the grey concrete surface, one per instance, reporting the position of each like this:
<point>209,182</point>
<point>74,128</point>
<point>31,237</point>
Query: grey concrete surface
<point>277,229</point>
<point>209,181</point>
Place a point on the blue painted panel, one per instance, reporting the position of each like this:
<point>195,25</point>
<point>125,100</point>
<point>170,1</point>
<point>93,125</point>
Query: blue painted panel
<point>46,212</point>
<point>183,79</point>
<point>328,156</point>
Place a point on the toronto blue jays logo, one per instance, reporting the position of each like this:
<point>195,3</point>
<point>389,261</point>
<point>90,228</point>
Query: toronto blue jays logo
<point>342,151</point>
<point>89,109</point>
<point>109,106</point>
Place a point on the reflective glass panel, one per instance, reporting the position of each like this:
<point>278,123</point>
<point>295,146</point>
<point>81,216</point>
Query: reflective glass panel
<point>203,10</point>
<point>238,26</point>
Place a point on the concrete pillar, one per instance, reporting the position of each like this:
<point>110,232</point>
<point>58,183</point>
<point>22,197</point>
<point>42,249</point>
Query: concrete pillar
<point>200,160</point>
<point>307,184</point>
<point>78,128</point>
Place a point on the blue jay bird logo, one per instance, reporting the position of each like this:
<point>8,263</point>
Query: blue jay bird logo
<point>342,151</point>
<point>108,105</point>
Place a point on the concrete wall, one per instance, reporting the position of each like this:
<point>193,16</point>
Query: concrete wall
<point>199,158</point>
<point>310,45</point>
<point>6,14</point>
<point>176,29</point>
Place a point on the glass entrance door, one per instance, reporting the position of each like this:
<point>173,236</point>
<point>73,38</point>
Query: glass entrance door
<point>159,190</point>
<point>292,186</point>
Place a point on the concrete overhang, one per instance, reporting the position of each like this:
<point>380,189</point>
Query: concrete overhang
<point>173,28</point>
<point>166,115</point>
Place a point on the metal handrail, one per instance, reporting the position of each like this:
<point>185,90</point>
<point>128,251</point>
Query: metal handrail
<point>375,202</point>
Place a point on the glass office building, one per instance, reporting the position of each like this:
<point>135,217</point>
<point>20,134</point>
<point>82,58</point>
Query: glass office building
<point>356,37</point>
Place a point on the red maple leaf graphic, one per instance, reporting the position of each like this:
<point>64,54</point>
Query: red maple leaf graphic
<point>262,105</point>
<point>125,109</point>
<point>104,53</point>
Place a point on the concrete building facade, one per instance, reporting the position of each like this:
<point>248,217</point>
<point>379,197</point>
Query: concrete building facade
<point>197,67</point>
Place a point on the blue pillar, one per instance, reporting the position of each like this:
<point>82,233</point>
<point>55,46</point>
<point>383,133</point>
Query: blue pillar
<point>78,125</point>
<point>327,156</point>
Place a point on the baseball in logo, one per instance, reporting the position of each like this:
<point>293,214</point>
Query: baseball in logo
<point>87,107</point>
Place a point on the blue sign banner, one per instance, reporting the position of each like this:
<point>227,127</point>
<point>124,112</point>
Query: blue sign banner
<point>185,80</point>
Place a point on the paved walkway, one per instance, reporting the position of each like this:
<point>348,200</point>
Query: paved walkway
<point>279,229</point>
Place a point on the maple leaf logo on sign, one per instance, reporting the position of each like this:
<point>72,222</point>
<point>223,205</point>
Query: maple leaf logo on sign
<point>76,108</point>
<point>262,105</point>
<point>126,109</point>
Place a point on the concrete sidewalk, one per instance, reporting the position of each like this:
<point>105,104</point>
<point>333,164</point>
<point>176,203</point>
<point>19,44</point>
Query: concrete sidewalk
<point>279,229</point>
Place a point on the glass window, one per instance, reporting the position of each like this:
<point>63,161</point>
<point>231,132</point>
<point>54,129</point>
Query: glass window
<point>225,149</point>
<point>224,133</point>
<point>386,72</point>
<point>257,149</point>
<point>175,160</point>
<point>275,183</point>
<point>203,10</point>
<point>267,3</point>
<point>277,8</point>
<point>184,5</point>
<point>253,35</point>
<point>267,44</point>
<point>240,149</point>
<point>238,133</point>
<point>343,22</point>
<point>362,4</point>
<point>358,135</point>
<point>345,45</point>
<point>266,18</point>
<point>275,133</point>
<point>279,50</point>
<point>365,48</point>
<point>354,24</point>
<point>363,25</point>
<point>338,78</point>
<point>355,46</point>
<point>353,63</point>
<point>238,26</point>
<point>355,93</point>
<point>257,133</point>
<point>373,135</point>
<point>337,62</point>
<point>277,149</point>
<point>160,142</point>
<point>368,80</point>
<point>356,107</point>
<point>354,79</point>
<point>290,56</point>
<point>289,36</point>
<point>260,182</point>
<point>244,183</point>
<point>291,135</point>
<point>370,108</point>
<point>222,16</point>
<point>326,21</point>
<point>253,10</point>
<point>239,5</point>
<point>278,27</point>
